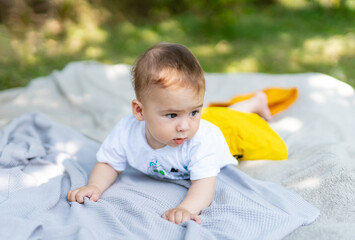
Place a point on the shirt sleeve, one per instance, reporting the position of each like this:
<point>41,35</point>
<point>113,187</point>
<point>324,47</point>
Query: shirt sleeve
<point>209,153</point>
<point>111,150</point>
<point>204,157</point>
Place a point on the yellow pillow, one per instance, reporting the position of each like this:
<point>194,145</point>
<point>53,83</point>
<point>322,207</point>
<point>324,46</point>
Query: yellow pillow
<point>249,137</point>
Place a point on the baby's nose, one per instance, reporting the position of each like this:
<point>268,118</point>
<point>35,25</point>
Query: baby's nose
<point>183,125</point>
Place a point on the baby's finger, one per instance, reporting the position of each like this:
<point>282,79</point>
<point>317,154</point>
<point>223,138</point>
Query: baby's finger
<point>178,217</point>
<point>68,195</point>
<point>95,196</point>
<point>196,218</point>
<point>80,197</point>
<point>186,217</point>
<point>171,216</point>
<point>71,195</point>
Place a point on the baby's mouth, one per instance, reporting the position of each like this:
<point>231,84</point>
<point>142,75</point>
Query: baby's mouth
<point>179,140</point>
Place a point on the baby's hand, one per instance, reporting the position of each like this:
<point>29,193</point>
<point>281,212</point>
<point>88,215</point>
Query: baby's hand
<point>180,215</point>
<point>90,191</point>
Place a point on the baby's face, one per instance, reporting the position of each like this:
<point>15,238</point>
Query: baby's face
<point>172,116</point>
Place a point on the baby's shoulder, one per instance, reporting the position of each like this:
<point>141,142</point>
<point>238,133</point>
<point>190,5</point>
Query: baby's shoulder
<point>207,132</point>
<point>207,128</point>
<point>127,125</point>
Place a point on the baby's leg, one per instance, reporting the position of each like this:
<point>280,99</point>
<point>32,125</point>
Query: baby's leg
<point>257,104</point>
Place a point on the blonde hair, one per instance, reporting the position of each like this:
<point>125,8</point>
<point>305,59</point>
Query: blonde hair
<point>167,65</point>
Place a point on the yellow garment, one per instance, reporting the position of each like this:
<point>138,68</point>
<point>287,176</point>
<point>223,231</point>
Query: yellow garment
<point>278,99</point>
<point>249,137</point>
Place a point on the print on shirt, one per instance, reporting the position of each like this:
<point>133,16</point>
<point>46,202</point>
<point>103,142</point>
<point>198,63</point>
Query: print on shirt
<point>156,170</point>
<point>176,174</point>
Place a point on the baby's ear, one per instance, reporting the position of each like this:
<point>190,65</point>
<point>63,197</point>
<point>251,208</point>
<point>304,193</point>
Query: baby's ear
<point>137,110</point>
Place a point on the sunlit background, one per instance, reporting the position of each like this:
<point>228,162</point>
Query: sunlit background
<point>271,36</point>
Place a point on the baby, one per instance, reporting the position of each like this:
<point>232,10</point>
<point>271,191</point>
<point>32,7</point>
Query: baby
<point>165,136</point>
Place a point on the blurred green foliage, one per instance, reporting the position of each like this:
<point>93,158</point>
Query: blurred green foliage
<point>273,36</point>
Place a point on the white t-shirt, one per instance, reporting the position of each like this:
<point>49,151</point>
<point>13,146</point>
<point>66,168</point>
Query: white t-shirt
<point>200,157</point>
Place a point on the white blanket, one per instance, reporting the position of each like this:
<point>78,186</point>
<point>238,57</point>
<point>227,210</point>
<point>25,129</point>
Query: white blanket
<point>318,129</point>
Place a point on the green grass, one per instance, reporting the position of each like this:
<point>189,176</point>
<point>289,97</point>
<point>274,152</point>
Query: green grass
<point>273,39</point>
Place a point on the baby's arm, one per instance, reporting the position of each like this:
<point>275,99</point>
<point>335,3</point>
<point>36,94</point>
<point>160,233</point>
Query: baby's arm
<point>199,196</point>
<point>102,176</point>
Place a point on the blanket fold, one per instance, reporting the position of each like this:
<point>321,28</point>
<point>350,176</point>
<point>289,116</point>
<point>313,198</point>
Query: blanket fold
<point>29,229</point>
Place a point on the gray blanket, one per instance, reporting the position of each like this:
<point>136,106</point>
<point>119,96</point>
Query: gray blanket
<point>41,160</point>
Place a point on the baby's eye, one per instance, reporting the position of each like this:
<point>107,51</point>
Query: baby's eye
<point>193,113</point>
<point>171,115</point>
